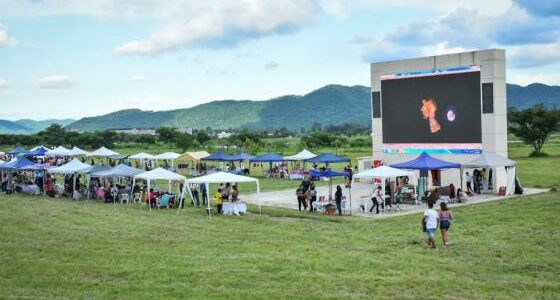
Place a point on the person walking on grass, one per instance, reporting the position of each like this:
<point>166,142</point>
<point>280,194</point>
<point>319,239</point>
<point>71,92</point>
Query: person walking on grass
<point>445,217</point>
<point>469,183</point>
<point>338,199</point>
<point>431,219</point>
<point>219,200</point>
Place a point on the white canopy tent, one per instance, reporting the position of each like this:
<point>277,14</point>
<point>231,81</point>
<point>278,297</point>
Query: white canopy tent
<point>494,161</point>
<point>75,166</point>
<point>78,152</point>
<point>142,156</point>
<point>384,172</point>
<point>103,152</point>
<point>59,151</point>
<point>160,174</point>
<point>222,177</point>
<point>168,156</point>
<point>302,155</point>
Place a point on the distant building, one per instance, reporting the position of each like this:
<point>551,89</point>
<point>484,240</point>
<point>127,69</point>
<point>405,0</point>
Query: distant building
<point>149,130</point>
<point>185,130</point>
<point>224,135</point>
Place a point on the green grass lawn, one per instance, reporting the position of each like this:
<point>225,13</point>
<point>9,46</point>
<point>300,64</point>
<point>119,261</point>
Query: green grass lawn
<point>67,250</point>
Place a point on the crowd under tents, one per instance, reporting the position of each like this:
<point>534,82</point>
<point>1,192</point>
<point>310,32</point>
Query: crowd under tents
<point>172,156</point>
<point>494,161</point>
<point>221,177</point>
<point>160,174</point>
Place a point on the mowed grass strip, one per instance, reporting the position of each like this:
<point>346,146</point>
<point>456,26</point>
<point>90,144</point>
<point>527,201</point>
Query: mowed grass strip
<point>67,250</point>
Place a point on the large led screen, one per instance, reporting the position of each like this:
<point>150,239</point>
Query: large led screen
<point>435,111</point>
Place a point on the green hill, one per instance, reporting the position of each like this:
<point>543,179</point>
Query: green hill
<point>332,104</point>
<point>27,126</point>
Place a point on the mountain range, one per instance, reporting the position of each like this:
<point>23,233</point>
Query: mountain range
<point>27,126</point>
<point>329,105</point>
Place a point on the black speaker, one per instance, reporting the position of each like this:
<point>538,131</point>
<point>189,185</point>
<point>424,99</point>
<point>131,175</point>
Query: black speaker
<point>376,105</point>
<point>488,98</point>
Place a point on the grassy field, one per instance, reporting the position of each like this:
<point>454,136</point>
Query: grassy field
<point>64,249</point>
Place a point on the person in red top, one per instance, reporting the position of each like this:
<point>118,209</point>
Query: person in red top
<point>151,200</point>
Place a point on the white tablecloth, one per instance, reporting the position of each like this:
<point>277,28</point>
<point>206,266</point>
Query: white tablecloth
<point>234,208</point>
<point>296,176</point>
<point>32,189</point>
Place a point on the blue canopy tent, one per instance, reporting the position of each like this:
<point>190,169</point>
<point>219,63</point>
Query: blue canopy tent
<point>17,151</point>
<point>217,156</point>
<point>13,166</point>
<point>269,158</point>
<point>41,151</point>
<point>425,163</point>
<point>240,157</point>
<point>327,158</point>
<point>330,174</point>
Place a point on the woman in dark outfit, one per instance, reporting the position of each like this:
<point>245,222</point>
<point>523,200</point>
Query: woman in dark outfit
<point>338,199</point>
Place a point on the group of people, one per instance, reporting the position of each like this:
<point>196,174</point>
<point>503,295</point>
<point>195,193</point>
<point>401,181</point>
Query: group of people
<point>479,181</point>
<point>226,193</point>
<point>433,220</point>
<point>306,194</point>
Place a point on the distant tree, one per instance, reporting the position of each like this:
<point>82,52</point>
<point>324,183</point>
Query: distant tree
<point>185,141</point>
<point>279,146</point>
<point>109,137</point>
<point>316,127</point>
<point>146,140</point>
<point>202,137</point>
<point>53,135</point>
<point>534,125</point>
<point>167,134</point>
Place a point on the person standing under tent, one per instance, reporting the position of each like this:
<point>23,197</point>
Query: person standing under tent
<point>469,183</point>
<point>338,199</point>
<point>219,201</point>
<point>445,217</point>
<point>431,218</point>
<point>226,191</point>
<point>204,194</point>
<point>194,192</point>
<point>234,193</point>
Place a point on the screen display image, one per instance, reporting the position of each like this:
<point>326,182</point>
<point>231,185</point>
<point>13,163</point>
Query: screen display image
<point>437,112</point>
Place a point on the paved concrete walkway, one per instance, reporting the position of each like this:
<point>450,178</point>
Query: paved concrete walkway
<point>361,194</point>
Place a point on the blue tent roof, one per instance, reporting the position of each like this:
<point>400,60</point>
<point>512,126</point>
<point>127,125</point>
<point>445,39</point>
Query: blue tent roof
<point>17,150</point>
<point>37,152</point>
<point>426,162</point>
<point>217,156</point>
<point>20,163</point>
<point>328,173</point>
<point>268,157</point>
<point>328,158</point>
<point>240,156</point>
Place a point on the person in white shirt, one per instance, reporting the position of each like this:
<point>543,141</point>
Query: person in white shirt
<point>431,219</point>
<point>469,183</point>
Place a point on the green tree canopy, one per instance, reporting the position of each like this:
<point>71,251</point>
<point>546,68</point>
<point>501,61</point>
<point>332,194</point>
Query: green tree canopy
<point>534,125</point>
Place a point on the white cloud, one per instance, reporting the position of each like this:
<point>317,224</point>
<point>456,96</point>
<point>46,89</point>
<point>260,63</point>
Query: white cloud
<point>55,82</point>
<point>532,56</point>
<point>271,65</point>
<point>3,83</point>
<point>225,24</point>
<point>6,40</point>
<point>137,78</point>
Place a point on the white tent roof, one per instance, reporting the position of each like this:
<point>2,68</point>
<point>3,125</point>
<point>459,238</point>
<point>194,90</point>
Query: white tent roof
<point>302,155</point>
<point>168,155</point>
<point>103,152</point>
<point>119,171</point>
<point>160,173</point>
<point>142,155</point>
<point>74,166</point>
<point>2,162</point>
<point>384,172</point>
<point>77,151</point>
<point>220,177</point>
<point>490,160</point>
<point>59,151</point>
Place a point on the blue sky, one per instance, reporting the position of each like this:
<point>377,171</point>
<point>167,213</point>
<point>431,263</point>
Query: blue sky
<point>71,59</point>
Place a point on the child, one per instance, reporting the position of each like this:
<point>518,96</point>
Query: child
<point>218,198</point>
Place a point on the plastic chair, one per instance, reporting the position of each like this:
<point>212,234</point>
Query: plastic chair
<point>124,198</point>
